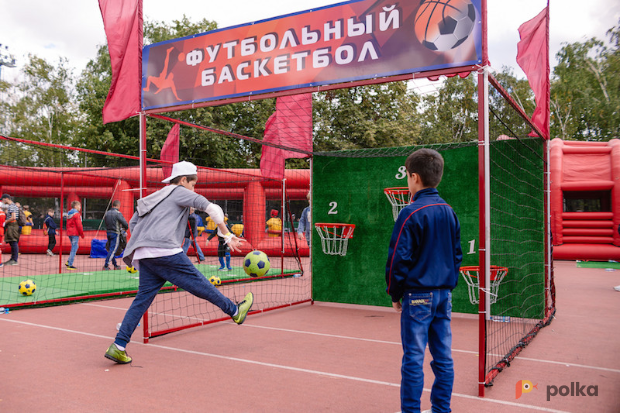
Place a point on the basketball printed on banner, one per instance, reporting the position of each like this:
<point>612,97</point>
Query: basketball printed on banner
<point>441,25</point>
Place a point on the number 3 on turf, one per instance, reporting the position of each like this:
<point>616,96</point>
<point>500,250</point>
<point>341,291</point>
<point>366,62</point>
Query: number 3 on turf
<point>333,211</point>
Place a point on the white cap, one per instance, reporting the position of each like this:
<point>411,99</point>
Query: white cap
<point>181,169</point>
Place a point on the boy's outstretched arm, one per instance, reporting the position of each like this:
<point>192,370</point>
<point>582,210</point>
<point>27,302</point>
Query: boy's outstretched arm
<point>217,215</point>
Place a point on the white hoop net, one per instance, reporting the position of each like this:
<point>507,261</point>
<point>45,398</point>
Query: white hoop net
<point>399,198</point>
<point>335,237</point>
<point>470,274</point>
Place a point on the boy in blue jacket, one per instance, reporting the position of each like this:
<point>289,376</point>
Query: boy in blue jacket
<point>51,227</point>
<point>422,270</point>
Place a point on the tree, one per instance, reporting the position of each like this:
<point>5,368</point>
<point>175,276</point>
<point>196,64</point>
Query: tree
<point>585,92</point>
<point>373,116</point>
<point>40,107</point>
<point>451,113</point>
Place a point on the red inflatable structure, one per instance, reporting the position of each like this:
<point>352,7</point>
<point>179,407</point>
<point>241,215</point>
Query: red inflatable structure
<point>73,184</point>
<point>585,199</point>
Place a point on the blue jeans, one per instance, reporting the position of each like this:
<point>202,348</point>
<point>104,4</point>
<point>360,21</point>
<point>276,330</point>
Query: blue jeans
<point>180,271</point>
<point>74,247</point>
<point>187,242</point>
<point>426,319</point>
<point>14,250</point>
<point>113,241</point>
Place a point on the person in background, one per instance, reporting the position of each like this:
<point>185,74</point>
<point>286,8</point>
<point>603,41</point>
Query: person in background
<point>75,230</point>
<point>115,225</point>
<point>199,225</point>
<point>49,226</point>
<point>223,251</point>
<point>27,229</point>
<point>274,224</point>
<point>2,220</point>
<point>305,222</point>
<point>11,228</point>
<point>191,232</point>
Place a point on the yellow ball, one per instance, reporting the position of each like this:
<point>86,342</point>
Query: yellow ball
<point>27,287</point>
<point>215,280</point>
<point>131,270</point>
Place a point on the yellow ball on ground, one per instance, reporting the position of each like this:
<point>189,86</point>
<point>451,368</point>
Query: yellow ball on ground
<point>27,287</point>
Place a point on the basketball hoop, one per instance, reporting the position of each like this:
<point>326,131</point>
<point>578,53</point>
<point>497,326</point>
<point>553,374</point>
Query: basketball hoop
<point>399,198</point>
<point>335,237</point>
<point>470,274</point>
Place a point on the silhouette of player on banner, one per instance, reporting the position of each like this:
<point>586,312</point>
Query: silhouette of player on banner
<point>164,80</point>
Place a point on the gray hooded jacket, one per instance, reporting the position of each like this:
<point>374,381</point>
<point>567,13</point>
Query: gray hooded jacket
<point>161,218</point>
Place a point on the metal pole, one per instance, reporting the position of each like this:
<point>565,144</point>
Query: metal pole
<point>483,228</point>
<point>142,119</point>
<point>283,222</point>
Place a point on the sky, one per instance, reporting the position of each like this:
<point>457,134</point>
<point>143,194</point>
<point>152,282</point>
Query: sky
<point>74,29</point>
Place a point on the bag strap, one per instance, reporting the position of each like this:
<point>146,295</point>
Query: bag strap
<point>156,205</point>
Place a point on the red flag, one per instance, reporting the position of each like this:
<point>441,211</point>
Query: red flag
<point>290,126</point>
<point>122,21</point>
<point>170,150</point>
<point>533,57</point>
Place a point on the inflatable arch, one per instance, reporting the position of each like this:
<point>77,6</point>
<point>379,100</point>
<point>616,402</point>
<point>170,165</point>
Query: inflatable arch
<point>585,199</point>
<point>123,184</point>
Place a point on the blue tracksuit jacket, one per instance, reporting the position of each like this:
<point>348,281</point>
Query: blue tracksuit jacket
<point>425,249</point>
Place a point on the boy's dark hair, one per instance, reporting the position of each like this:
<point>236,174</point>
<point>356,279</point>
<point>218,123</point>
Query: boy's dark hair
<point>177,179</point>
<point>50,210</point>
<point>427,163</point>
<point>116,203</point>
<point>75,203</point>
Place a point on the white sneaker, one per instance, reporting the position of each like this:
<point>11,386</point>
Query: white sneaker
<point>50,253</point>
<point>428,411</point>
<point>617,288</point>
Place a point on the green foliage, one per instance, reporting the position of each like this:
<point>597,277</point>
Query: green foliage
<point>451,114</point>
<point>39,107</point>
<point>585,92</point>
<point>50,104</point>
<point>371,116</point>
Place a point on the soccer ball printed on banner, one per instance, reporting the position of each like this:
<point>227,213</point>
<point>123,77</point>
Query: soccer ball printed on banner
<point>441,25</point>
<point>256,264</point>
<point>215,280</point>
<point>27,287</point>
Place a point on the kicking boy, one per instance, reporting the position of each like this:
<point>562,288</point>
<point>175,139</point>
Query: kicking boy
<point>422,270</point>
<point>157,233</point>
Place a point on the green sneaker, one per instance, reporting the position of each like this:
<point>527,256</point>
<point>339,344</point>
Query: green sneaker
<point>116,355</point>
<point>243,307</point>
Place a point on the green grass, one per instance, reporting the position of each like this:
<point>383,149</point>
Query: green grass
<point>90,283</point>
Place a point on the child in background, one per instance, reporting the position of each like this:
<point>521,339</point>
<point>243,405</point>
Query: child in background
<point>50,227</point>
<point>75,230</point>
